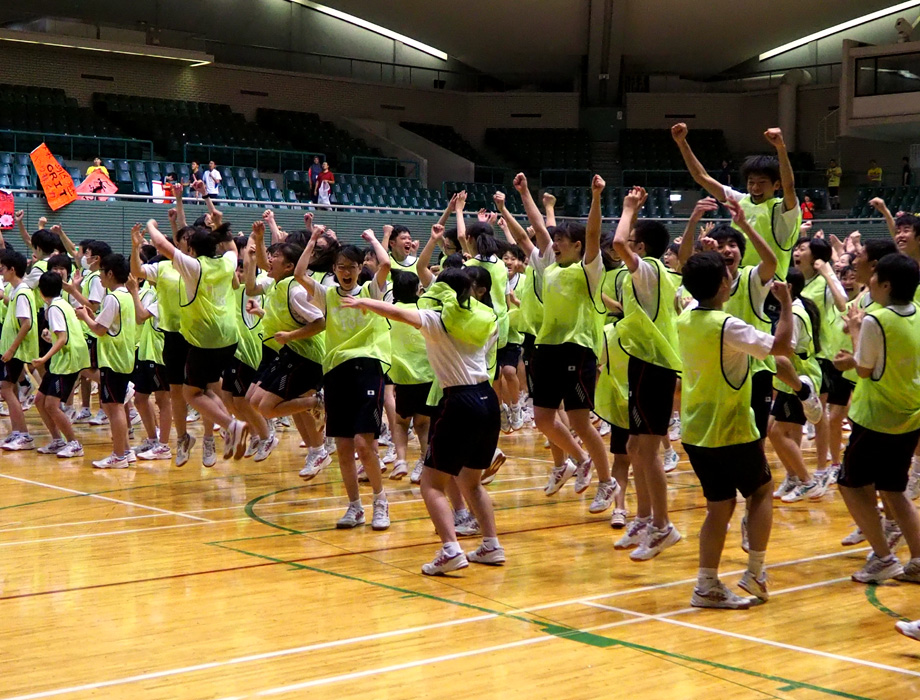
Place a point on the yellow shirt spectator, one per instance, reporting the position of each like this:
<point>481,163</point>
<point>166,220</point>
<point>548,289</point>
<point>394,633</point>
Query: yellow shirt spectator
<point>875,173</point>
<point>97,165</point>
<point>833,176</point>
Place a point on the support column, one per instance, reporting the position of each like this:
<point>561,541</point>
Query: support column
<point>606,23</point>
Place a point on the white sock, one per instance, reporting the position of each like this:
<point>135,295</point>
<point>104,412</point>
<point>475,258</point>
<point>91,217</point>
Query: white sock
<point>461,514</point>
<point>452,549</point>
<point>382,496</point>
<point>756,563</point>
<point>706,579</point>
<point>356,504</point>
<point>490,542</point>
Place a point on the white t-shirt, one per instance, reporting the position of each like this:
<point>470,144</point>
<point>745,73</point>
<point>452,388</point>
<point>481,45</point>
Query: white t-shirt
<point>800,335</point>
<point>110,314</point>
<point>759,290</point>
<point>33,275</point>
<point>212,180</point>
<point>301,309</point>
<point>190,270</point>
<point>23,307</point>
<point>594,269</point>
<point>454,363</point>
<point>646,284</point>
<point>57,323</point>
<point>739,341</point>
<point>96,290</point>
<point>871,352</point>
<point>785,223</point>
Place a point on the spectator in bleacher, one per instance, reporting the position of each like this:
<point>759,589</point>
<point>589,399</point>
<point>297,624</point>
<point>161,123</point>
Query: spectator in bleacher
<point>314,172</point>
<point>875,173</point>
<point>97,165</point>
<point>808,209</point>
<point>323,187</point>
<point>212,180</point>
<point>906,174</point>
<point>725,177</point>
<point>195,174</point>
<point>833,174</point>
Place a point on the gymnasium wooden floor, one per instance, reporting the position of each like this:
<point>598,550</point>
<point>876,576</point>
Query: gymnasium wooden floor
<point>232,582</point>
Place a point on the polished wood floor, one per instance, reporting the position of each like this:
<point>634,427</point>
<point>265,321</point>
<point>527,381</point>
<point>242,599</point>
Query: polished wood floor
<point>232,582</point>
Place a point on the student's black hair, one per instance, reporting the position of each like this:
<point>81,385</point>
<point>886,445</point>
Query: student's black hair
<point>796,281</point>
<point>351,253</point>
<point>674,248</point>
<point>655,236</point>
<point>452,261</point>
<point>184,233</point>
<point>172,175</point>
<point>878,248</point>
<point>201,221</point>
<point>85,242</point>
<point>290,252</point>
<point>703,274</point>
<point>723,232</point>
<point>61,261</point>
<point>240,242</point>
<point>398,229</point>
<point>272,248</point>
<point>59,246</point>
<point>760,165</point>
<point>571,231</point>
<point>457,279</point>
<point>902,273</point>
<point>45,241</point>
<point>502,247</point>
<point>480,277</point>
<point>516,252</point>
<point>484,239</point>
<point>15,261</point>
<point>451,235</point>
<point>324,258</point>
<point>405,286</point>
<point>908,220</point>
<point>117,264</point>
<point>223,233</point>
<point>366,275</point>
<point>98,248</point>
<point>300,238</point>
<point>202,243</point>
<point>50,284</point>
<point>820,249</point>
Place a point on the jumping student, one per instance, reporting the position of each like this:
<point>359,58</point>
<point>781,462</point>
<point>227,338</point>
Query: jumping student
<point>649,336</point>
<point>207,323</point>
<point>93,291</point>
<point>18,345</point>
<point>459,334</point>
<point>885,416</point>
<point>67,357</point>
<point>114,326</point>
<point>719,431</point>
<point>357,348</point>
<point>401,249</point>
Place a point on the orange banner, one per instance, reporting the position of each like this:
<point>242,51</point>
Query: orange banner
<point>96,183</point>
<point>56,182</point>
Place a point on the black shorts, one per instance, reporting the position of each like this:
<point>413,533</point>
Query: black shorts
<point>841,388</point>
<point>354,398</point>
<point>879,459</point>
<point>149,377</point>
<point>175,355</point>
<point>762,399</point>
<point>268,357</point>
<point>508,356</point>
<point>651,397</point>
<point>59,386</point>
<point>237,378</point>
<point>412,400</point>
<point>564,373</point>
<point>618,439</point>
<point>11,371</point>
<point>788,409</point>
<point>833,191</point>
<point>830,377</point>
<point>43,345</point>
<point>527,348</point>
<point>292,375</point>
<point>724,470</point>
<point>113,386</point>
<point>464,431</point>
<point>203,366</point>
<point>92,343</point>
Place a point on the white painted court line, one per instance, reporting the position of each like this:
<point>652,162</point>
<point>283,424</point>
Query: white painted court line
<point>760,640</point>
<point>105,498</point>
<point>110,534</point>
<point>81,522</point>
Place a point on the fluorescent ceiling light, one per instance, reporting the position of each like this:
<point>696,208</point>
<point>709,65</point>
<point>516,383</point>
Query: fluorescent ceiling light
<point>363,23</point>
<point>838,28</point>
<point>193,58</point>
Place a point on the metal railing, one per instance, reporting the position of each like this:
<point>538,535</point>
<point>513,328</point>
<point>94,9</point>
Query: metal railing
<point>385,167</point>
<point>26,141</point>
<point>565,177</point>
<point>275,159</point>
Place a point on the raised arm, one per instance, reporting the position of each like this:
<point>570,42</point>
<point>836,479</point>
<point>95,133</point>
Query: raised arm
<point>696,169</point>
<point>786,175</point>
<point>382,308</point>
<point>387,232</point>
<point>180,205</point>
<point>768,261</point>
<point>20,218</point>
<point>879,204</point>
<point>383,260</point>
<point>593,229</point>
<point>137,240</point>
<point>302,269</point>
<point>632,203</point>
<point>258,238</point>
<point>514,228</point>
<point>544,240</point>
<point>425,277</point>
<point>249,267</point>
<point>451,206</point>
<point>782,338</point>
<point>459,204</point>
<point>68,244</point>
<point>140,313</point>
<point>833,284</point>
<point>160,241</point>
<point>689,237</point>
<point>549,207</point>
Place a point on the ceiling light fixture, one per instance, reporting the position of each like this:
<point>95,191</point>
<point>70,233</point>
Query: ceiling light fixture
<point>376,28</point>
<point>838,28</point>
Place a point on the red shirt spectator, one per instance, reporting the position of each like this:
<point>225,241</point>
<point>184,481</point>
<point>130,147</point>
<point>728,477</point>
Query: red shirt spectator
<point>808,209</point>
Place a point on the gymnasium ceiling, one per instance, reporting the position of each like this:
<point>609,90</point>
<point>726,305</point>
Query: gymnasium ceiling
<point>693,38</point>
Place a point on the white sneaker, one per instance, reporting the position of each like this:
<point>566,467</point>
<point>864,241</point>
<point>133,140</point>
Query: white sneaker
<point>656,541</point>
<point>317,459</point>
<point>147,444</point>
<point>833,473</point>
<point>192,415</point>
<point>892,533</point>
<point>158,451</point>
<point>184,447</point>
<point>506,419</point>
<point>284,422</point>
<point>913,486</point>
<point>381,517</point>
<point>4,409</point>
<point>252,447</point>
<point>877,570</point>
<point>362,474</point>
<point>53,447</point>
<point>400,469</point>
<point>444,563</point>
<point>70,412</point>
<point>671,458</point>
<point>911,572</point>
<point>517,417</point>
<point>757,587</point>
<point>604,430</point>
<point>618,519</point>
<point>719,597</point>
<point>99,419</point>
<point>416,476</point>
<point>208,452</point>
<point>558,476</point>
<point>583,476</point>
<point>131,456</point>
<point>745,542</point>
<point>634,535</point>
<point>498,459</point>
<point>113,461</point>
<point>811,491</point>
<point>237,434</point>
<point>353,517</point>
<point>788,486</point>
<point>134,417</point>
<point>853,538</point>
<point>909,629</point>
<point>71,449</point>
<point>467,526</point>
<point>811,406</point>
<point>331,447</point>
<point>809,431</point>
<point>493,556</point>
<point>82,416</point>
<point>390,456</point>
<point>266,447</point>
<point>606,493</point>
<point>674,428</point>
<point>22,441</point>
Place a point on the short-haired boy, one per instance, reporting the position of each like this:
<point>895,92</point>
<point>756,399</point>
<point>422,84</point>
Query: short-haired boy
<point>18,345</point>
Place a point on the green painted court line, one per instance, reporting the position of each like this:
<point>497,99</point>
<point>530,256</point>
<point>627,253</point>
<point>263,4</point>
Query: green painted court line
<point>872,597</point>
